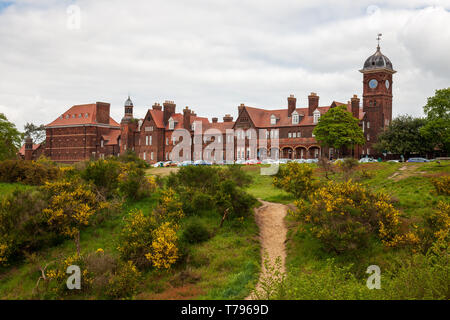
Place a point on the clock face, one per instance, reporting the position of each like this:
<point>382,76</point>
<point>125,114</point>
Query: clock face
<point>387,84</point>
<point>373,83</point>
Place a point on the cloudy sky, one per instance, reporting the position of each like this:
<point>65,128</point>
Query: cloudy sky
<point>212,55</point>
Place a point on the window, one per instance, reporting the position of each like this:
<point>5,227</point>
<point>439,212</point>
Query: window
<point>368,151</point>
<point>67,116</point>
<point>151,155</point>
<point>295,117</point>
<point>368,124</point>
<point>368,137</point>
<point>146,140</point>
<point>171,124</point>
<point>150,140</point>
<point>364,126</point>
<point>167,141</point>
<point>289,135</point>
<point>273,119</point>
<point>298,134</point>
<point>316,115</point>
<point>167,155</point>
<point>101,143</point>
<point>145,156</point>
<point>294,135</point>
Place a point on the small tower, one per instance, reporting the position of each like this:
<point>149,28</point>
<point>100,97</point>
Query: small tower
<point>127,127</point>
<point>28,148</point>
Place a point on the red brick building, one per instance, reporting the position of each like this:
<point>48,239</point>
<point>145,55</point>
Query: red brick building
<point>31,151</point>
<point>88,131</point>
<point>82,132</point>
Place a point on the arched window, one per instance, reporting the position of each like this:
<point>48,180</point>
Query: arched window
<point>273,119</point>
<point>316,115</point>
<point>294,117</point>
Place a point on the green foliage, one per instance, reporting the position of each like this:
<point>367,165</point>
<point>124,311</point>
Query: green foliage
<point>234,172</point>
<point>338,129</point>
<point>131,157</point>
<point>104,175</point>
<point>136,237</point>
<point>37,133</point>
<point>133,184</point>
<point>124,283</point>
<point>23,227</point>
<point>403,136</point>
<point>10,139</point>
<point>195,232</point>
<point>28,172</point>
<point>296,178</point>
<point>442,185</point>
<point>234,200</point>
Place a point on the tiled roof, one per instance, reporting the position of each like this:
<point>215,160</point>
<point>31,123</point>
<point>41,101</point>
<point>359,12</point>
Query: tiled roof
<point>80,115</point>
<point>158,117</point>
<point>112,137</point>
<point>22,149</point>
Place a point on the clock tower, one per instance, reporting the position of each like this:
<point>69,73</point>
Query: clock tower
<point>377,96</point>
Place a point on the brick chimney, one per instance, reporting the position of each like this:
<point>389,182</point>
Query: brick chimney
<point>355,106</point>
<point>187,118</point>
<point>156,106</point>
<point>28,148</point>
<point>240,108</point>
<point>228,118</point>
<point>169,110</point>
<point>214,120</point>
<point>313,103</point>
<point>292,102</point>
<point>102,112</point>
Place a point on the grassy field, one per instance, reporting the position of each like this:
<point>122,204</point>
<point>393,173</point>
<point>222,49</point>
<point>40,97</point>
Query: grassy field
<point>224,267</point>
<point>6,188</point>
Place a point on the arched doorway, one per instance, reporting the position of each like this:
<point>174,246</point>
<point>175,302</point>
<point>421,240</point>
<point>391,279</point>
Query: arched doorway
<point>314,152</point>
<point>287,153</point>
<point>301,153</point>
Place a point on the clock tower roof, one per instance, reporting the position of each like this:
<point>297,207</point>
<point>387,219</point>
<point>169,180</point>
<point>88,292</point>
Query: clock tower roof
<point>377,61</point>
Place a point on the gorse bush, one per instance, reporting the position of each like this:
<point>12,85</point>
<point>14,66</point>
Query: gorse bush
<point>169,207</point>
<point>104,175</point>
<point>70,207</point>
<point>124,283</point>
<point>136,238</point>
<point>343,216</point>
<point>28,172</point>
<point>435,234</point>
<point>195,232</point>
<point>296,178</point>
<point>164,250</point>
<point>442,185</point>
<point>131,157</point>
<point>23,227</point>
<point>133,184</point>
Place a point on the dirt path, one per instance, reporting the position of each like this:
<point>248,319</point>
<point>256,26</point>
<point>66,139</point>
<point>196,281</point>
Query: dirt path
<point>405,172</point>
<point>272,234</point>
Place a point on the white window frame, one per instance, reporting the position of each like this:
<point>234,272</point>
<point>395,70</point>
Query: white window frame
<point>273,119</point>
<point>316,115</point>
<point>295,117</point>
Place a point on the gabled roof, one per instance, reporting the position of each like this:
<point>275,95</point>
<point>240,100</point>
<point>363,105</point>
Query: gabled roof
<point>35,147</point>
<point>112,137</point>
<point>158,117</point>
<point>83,114</point>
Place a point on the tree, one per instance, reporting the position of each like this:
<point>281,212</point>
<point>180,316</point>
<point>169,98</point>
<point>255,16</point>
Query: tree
<point>10,139</point>
<point>403,136</point>
<point>437,128</point>
<point>37,133</point>
<point>338,129</point>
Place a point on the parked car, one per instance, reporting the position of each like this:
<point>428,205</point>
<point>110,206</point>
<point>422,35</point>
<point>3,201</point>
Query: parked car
<point>170,163</point>
<point>252,162</point>
<point>185,163</point>
<point>202,163</point>
<point>311,160</point>
<point>367,160</point>
<point>300,160</point>
<point>228,162</point>
<point>158,164</point>
<point>240,161</point>
<point>418,160</point>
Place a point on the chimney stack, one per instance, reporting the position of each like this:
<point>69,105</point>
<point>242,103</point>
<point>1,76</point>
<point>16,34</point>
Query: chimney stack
<point>214,120</point>
<point>169,110</point>
<point>292,101</point>
<point>187,118</point>
<point>28,148</point>
<point>156,106</point>
<point>355,106</point>
<point>240,108</point>
<point>228,118</point>
<point>313,103</point>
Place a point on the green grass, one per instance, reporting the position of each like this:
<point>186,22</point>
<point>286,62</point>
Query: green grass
<point>6,188</point>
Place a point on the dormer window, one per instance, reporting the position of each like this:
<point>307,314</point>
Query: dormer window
<point>171,124</point>
<point>316,115</point>
<point>273,119</point>
<point>295,117</point>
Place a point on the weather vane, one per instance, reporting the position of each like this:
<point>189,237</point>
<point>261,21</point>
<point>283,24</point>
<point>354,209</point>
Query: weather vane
<point>379,38</point>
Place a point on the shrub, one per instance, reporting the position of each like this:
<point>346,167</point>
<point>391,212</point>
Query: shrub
<point>124,283</point>
<point>234,200</point>
<point>235,173</point>
<point>104,175</point>
<point>164,251</point>
<point>344,215</point>
<point>23,227</point>
<point>202,178</point>
<point>436,231</point>
<point>442,185</point>
<point>195,232</point>
<point>136,238</point>
<point>131,157</point>
<point>169,207</point>
<point>133,184</point>
<point>70,207</point>
<point>296,178</point>
<point>27,172</point>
